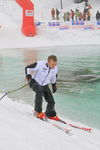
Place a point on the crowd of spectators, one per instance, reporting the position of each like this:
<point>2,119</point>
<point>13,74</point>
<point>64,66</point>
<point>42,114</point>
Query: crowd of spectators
<point>73,15</point>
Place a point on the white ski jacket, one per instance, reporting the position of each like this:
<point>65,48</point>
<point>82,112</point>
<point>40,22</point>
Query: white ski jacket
<point>43,74</point>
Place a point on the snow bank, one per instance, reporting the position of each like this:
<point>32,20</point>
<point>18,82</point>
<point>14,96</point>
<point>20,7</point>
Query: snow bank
<point>19,130</point>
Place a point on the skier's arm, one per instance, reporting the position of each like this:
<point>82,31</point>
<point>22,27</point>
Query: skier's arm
<point>29,69</point>
<point>54,79</point>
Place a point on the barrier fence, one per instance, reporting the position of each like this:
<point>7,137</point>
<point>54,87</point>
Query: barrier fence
<point>72,25</point>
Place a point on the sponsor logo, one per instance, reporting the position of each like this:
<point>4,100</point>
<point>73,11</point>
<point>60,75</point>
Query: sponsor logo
<point>29,13</point>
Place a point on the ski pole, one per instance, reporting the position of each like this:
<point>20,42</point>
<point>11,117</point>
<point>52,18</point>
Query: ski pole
<point>13,91</point>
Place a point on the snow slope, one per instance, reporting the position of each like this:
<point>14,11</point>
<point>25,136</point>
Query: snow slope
<point>10,22</point>
<point>21,131</point>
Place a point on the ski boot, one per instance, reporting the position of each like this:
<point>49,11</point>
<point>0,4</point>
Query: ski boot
<point>56,118</point>
<point>41,115</point>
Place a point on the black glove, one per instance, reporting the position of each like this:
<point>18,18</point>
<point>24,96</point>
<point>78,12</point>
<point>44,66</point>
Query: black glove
<point>54,88</point>
<point>32,83</point>
<point>28,77</point>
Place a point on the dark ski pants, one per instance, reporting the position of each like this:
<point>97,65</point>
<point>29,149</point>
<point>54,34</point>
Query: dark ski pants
<point>44,91</point>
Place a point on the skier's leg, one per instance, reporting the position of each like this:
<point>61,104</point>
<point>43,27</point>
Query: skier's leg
<point>38,97</point>
<point>50,110</point>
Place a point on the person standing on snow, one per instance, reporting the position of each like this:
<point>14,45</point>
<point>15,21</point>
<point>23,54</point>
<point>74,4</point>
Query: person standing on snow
<point>77,13</point>
<point>84,14</point>
<point>88,15</point>
<point>98,15</point>
<point>72,14</point>
<point>57,14</point>
<point>65,17</point>
<point>80,16</point>
<point>88,12</point>
<point>45,72</point>
<point>53,13</point>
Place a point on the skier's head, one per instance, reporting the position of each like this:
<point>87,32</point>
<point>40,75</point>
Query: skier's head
<point>52,61</point>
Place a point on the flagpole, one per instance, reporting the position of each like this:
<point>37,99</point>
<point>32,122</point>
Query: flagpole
<point>61,3</point>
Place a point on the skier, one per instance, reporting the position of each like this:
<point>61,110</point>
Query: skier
<point>53,13</point>
<point>45,72</point>
<point>98,15</point>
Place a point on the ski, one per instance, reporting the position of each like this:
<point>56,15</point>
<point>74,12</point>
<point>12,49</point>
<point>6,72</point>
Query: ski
<point>68,124</point>
<point>62,128</point>
<point>75,126</point>
<point>65,130</point>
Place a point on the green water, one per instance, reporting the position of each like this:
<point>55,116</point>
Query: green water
<point>78,96</point>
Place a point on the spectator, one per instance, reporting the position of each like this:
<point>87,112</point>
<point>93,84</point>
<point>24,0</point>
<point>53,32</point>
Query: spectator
<point>65,17</point>
<point>53,13</point>
<point>98,15</point>
<point>88,15</point>
<point>57,14</point>
<point>80,16</point>
<point>68,16</point>
<point>72,14</point>
<point>88,12</point>
<point>77,14</point>
<point>84,14</point>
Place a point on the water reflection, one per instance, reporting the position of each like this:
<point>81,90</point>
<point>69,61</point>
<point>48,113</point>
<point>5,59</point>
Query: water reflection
<point>30,56</point>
